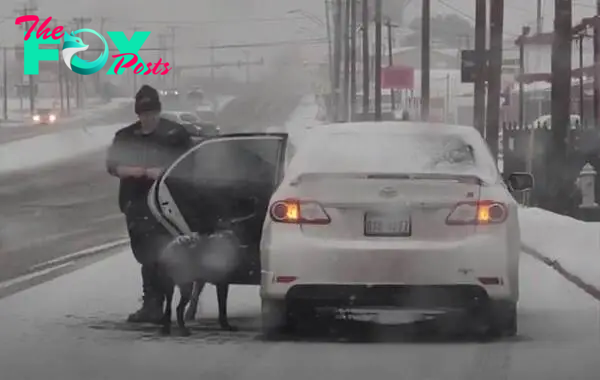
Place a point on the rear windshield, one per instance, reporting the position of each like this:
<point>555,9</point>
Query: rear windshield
<point>397,153</point>
<point>188,117</point>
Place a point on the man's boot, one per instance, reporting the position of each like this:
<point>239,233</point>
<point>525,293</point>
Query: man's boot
<point>152,306</point>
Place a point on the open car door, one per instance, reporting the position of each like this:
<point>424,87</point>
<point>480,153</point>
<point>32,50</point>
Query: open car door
<point>221,180</point>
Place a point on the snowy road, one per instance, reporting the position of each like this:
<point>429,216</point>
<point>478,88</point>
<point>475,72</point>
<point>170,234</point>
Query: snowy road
<point>72,328</point>
<point>71,206</point>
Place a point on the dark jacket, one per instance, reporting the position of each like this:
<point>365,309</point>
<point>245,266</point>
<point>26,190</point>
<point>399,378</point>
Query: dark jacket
<point>156,150</point>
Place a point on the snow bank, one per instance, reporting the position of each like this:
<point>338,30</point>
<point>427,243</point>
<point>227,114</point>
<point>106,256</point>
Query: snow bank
<point>54,147</point>
<point>60,146</point>
<point>568,242</point>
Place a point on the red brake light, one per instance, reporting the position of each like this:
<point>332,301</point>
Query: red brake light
<point>477,213</point>
<point>296,211</point>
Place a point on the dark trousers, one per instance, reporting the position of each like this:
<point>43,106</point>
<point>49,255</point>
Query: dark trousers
<point>148,239</point>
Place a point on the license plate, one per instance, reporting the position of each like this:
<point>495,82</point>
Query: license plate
<point>388,224</point>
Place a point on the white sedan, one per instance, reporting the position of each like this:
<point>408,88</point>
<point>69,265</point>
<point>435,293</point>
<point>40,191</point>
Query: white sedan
<point>400,214</point>
<point>393,214</point>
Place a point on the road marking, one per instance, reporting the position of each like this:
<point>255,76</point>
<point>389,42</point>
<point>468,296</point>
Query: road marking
<point>31,276</point>
<point>80,254</point>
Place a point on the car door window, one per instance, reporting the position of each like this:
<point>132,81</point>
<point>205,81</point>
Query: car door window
<point>225,178</point>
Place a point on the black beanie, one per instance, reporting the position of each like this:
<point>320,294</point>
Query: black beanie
<point>146,100</point>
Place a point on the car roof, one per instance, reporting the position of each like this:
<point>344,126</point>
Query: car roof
<point>393,127</point>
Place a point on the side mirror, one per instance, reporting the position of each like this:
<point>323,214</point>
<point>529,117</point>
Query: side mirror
<point>520,181</point>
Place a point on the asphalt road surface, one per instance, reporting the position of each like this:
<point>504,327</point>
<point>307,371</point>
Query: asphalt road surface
<point>73,328</point>
<point>58,210</point>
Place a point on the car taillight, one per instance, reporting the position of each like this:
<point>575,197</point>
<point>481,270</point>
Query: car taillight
<point>298,211</point>
<point>477,213</point>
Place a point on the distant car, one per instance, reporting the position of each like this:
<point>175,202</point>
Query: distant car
<point>194,125</point>
<point>207,113</point>
<point>45,116</point>
<point>169,93</point>
<point>196,95</point>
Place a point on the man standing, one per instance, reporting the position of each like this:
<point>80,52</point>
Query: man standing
<point>138,155</point>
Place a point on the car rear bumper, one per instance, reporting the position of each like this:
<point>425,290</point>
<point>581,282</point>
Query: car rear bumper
<point>482,262</point>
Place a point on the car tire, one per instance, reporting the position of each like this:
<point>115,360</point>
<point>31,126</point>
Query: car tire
<point>274,318</point>
<point>502,319</point>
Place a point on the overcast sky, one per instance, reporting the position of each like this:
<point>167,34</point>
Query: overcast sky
<point>242,21</point>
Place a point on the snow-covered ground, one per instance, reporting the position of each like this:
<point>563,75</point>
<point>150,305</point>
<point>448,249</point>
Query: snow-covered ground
<point>74,327</point>
<point>60,146</point>
<point>573,244</point>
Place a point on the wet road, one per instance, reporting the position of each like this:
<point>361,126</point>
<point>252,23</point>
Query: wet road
<point>61,209</point>
<point>72,328</point>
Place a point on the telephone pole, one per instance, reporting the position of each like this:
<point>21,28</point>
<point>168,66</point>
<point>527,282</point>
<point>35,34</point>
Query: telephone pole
<point>4,83</point>
<point>135,29</point>
<point>353,58</point>
<point>162,46</point>
<point>492,132</point>
<point>27,10</point>
<point>365,57</point>
<point>391,59</point>
<point>481,65</point>
<point>561,99</point>
<point>337,58</point>
<point>425,58</point>
<point>378,56</point>
<point>174,78</point>
<point>59,73</point>
<point>80,23</point>
<point>346,85</point>
<point>597,69</point>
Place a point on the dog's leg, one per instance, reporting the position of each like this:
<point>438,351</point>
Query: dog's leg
<point>168,290</point>
<point>222,295</point>
<point>186,292</point>
<point>192,310</point>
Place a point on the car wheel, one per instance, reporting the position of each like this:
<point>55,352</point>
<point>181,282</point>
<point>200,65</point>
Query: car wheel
<point>502,319</point>
<point>274,318</point>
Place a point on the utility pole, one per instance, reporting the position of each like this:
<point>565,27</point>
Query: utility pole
<point>561,102</point>
<point>425,58</point>
<point>391,59</point>
<point>492,133</point>
<point>378,56</point>
<point>353,58</point>
<point>596,68</point>
<point>59,74</point>
<point>365,57</point>
<point>173,54</point>
<point>162,45</point>
<point>346,85</point>
<point>27,10</point>
<point>4,83</point>
<point>524,33</point>
<point>97,75</point>
<point>80,23</point>
<point>481,65</point>
<point>337,57</point>
<point>329,42</point>
<point>135,29</point>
